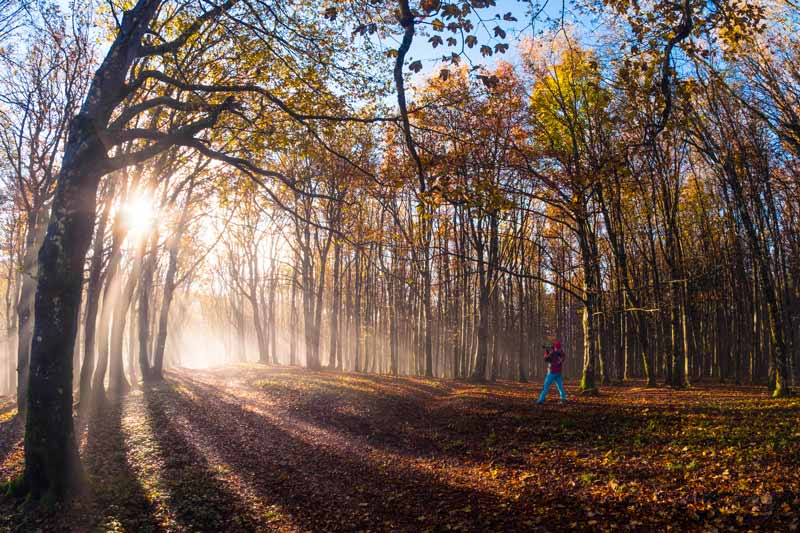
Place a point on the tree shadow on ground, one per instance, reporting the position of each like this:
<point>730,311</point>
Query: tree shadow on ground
<point>195,497</point>
<point>563,451</point>
<point>323,482</point>
<point>460,419</point>
<point>449,423</point>
<point>117,493</point>
<point>592,445</point>
<point>114,501</point>
<point>214,451</point>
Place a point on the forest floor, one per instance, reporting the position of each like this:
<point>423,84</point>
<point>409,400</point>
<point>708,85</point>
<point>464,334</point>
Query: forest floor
<point>255,448</point>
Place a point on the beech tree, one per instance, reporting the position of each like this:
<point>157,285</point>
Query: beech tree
<point>91,152</point>
<point>42,84</point>
<point>494,203</point>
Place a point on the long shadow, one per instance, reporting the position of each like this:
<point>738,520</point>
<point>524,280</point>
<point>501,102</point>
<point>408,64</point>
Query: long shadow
<point>404,383</point>
<point>497,429</point>
<point>396,421</point>
<point>383,417</point>
<point>323,489</point>
<point>448,420</point>
<point>587,427</point>
<point>351,380</point>
<point>117,491</point>
<point>506,413</point>
<point>196,498</point>
<point>503,513</point>
<point>507,417</point>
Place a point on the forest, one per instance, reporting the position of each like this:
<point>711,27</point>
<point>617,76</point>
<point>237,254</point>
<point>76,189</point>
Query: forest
<point>292,265</point>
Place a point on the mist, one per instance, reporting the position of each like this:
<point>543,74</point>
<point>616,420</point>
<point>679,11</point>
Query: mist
<point>401,265</point>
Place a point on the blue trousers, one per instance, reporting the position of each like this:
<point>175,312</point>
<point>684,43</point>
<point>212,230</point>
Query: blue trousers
<point>548,381</point>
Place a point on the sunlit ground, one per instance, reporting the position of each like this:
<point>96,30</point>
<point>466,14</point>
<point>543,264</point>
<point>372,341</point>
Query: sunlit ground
<point>249,447</point>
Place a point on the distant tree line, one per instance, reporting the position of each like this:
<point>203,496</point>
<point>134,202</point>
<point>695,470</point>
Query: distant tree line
<point>236,165</point>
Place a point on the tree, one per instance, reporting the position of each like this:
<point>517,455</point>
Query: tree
<point>52,465</point>
<point>42,85</point>
<point>568,109</point>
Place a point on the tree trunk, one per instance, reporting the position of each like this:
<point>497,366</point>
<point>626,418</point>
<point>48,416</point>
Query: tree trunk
<point>263,348</point>
<point>145,290</point>
<point>52,464</point>
<point>479,372</point>
<point>590,290</point>
<point>293,320</point>
<point>522,339</point>
<point>273,332</point>
<point>93,291</point>
<point>157,371</point>
<point>336,304</point>
<point>110,295</point>
<point>357,313</point>
<point>25,307</point>
<point>117,382</point>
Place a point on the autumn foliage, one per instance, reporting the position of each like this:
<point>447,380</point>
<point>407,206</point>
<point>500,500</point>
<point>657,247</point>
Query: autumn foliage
<point>249,448</point>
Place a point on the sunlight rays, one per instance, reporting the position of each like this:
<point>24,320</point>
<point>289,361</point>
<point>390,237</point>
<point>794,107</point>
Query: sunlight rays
<point>458,473</point>
<point>140,214</point>
<point>157,469</point>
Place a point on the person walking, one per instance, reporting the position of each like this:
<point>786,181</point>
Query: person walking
<point>554,358</point>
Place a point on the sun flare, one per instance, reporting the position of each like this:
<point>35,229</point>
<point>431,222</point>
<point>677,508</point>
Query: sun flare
<point>291,265</point>
<point>140,214</point>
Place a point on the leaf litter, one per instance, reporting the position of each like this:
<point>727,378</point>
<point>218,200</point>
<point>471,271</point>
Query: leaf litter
<point>259,448</point>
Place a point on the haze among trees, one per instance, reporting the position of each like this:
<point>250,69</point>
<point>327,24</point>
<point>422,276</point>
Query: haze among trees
<point>247,243</point>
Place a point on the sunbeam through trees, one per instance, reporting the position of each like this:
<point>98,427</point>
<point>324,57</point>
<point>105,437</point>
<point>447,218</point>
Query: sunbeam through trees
<point>292,265</point>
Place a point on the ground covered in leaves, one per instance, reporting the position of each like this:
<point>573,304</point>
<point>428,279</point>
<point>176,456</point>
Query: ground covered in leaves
<point>254,448</point>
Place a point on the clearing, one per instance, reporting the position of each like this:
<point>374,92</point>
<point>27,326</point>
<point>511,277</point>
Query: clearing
<point>251,448</point>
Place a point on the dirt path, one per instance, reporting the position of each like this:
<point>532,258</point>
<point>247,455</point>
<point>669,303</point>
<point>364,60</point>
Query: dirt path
<point>252,448</point>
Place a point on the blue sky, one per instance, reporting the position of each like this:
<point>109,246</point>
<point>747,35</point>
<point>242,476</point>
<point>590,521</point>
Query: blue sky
<point>431,57</point>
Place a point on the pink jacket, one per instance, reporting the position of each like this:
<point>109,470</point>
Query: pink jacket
<point>556,359</point>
